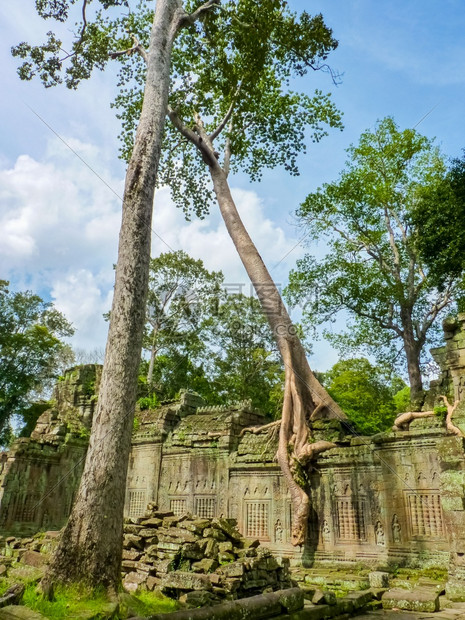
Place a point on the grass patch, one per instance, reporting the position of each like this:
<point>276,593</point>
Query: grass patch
<point>146,603</point>
<point>77,602</point>
<point>69,602</point>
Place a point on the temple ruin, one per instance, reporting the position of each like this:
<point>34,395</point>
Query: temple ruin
<point>396,498</point>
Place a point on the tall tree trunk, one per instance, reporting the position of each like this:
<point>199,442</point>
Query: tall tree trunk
<point>412,350</point>
<point>91,545</point>
<point>304,398</point>
<point>153,353</point>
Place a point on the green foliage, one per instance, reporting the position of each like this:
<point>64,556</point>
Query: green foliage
<point>245,363</point>
<point>402,399</point>
<point>31,352</point>
<point>218,345</point>
<point>240,54</point>
<point>241,58</point>
<point>182,294</point>
<point>148,402</point>
<point>439,216</point>
<point>78,601</point>
<point>364,393</point>
<point>372,272</point>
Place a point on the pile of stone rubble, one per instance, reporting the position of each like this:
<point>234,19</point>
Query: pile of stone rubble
<point>198,561</point>
<point>32,550</point>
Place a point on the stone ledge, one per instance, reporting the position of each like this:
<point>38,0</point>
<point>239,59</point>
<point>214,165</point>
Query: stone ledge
<point>419,599</point>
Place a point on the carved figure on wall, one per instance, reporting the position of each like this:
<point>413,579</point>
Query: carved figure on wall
<point>379,534</point>
<point>326,532</point>
<point>396,529</point>
<point>278,531</point>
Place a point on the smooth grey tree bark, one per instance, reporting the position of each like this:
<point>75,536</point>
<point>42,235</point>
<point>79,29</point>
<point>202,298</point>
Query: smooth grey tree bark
<point>91,545</point>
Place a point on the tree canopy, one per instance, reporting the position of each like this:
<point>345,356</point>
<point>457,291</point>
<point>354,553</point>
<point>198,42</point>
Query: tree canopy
<point>201,338</point>
<point>245,362</point>
<point>182,295</point>
<point>365,393</point>
<point>373,270</point>
<point>439,216</point>
<point>31,349</point>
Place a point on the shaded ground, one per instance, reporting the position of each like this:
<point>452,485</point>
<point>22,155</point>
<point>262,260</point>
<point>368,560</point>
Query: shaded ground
<point>456,611</point>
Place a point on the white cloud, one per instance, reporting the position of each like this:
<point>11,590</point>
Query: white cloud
<point>209,240</point>
<point>59,228</point>
<point>83,297</point>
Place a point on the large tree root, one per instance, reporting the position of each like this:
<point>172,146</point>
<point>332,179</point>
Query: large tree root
<point>295,452</point>
<point>402,422</point>
<point>450,412</point>
<point>260,429</point>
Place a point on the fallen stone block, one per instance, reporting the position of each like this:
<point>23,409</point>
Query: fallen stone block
<point>180,580</point>
<point>132,581</point>
<point>226,526</point>
<point>324,597</point>
<point>197,525</point>
<point>13,595</point>
<point>192,551</point>
<point>131,554</point>
<point>378,579</point>
<point>131,541</point>
<point>206,565</point>
<point>152,582</point>
<point>216,533</point>
<point>360,599</point>
<point>291,600</point>
<point>198,598</point>
<point>18,612</point>
<point>420,600</point>
<point>235,569</point>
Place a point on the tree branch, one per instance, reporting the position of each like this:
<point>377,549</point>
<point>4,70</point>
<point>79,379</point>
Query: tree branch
<point>81,34</point>
<point>392,243</point>
<point>436,308</point>
<point>137,47</point>
<point>227,116</point>
<point>367,315</point>
<point>200,141</point>
<point>191,18</point>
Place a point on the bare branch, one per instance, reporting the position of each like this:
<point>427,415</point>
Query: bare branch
<point>137,47</point>
<point>368,315</point>
<point>227,116</point>
<point>191,18</point>
<point>81,34</point>
<point>199,139</point>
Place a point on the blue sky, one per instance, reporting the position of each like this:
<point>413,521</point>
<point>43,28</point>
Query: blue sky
<point>59,223</point>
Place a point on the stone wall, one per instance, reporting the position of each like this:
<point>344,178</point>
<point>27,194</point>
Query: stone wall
<point>40,474</point>
<point>375,500</point>
<point>395,498</point>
